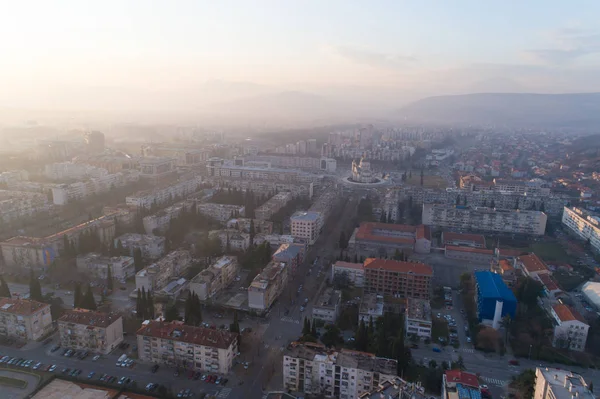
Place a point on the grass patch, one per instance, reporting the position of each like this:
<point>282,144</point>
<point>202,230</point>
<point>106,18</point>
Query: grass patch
<point>12,382</point>
<point>551,251</point>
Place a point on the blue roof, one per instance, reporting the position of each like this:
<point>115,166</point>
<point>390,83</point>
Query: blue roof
<point>491,286</point>
<point>467,392</point>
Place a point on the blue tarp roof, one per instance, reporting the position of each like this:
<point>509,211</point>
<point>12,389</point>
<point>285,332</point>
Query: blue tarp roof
<point>491,286</point>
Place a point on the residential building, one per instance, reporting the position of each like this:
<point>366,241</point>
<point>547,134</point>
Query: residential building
<point>152,247</point>
<point>417,318</point>
<point>220,212</point>
<point>212,280</point>
<point>156,276</point>
<point>195,348</point>
<point>264,187</point>
<point>469,254</point>
<point>306,225</point>
<point>291,162</point>
<point>506,270</point>
<point>24,319</point>
<point>228,170</point>
<point>164,194</point>
<point>371,307</point>
<point>584,224</point>
<point>327,306</point>
<point>396,388</point>
<point>383,239</point>
<point>20,204</point>
<point>560,384</point>
<point>462,240</point>
<point>528,187</point>
<point>232,239</point>
<point>312,369</point>
<point>243,225</point>
<point>570,328</point>
<point>493,299</point>
<point>161,220</point>
<point>531,265</point>
<point>491,220</point>
<point>354,272</point>
<point>273,205</point>
<point>591,292</point>
<point>156,169</point>
<point>457,384</point>
<point>292,254</point>
<point>89,330</point>
<point>96,266</point>
<point>267,286</point>
<point>403,279</point>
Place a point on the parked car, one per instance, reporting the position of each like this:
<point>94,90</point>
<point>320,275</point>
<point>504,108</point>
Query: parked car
<point>437,350</point>
<point>154,368</point>
<point>52,368</point>
<point>513,362</point>
<point>91,374</point>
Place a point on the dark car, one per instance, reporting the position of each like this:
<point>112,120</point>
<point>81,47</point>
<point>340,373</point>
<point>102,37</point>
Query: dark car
<point>154,368</point>
<point>513,362</point>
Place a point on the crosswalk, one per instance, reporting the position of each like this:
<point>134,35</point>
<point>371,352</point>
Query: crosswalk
<point>290,320</point>
<point>494,381</point>
<point>224,393</point>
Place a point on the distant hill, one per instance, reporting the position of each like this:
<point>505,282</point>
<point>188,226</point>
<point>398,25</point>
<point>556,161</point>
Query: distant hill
<point>520,110</point>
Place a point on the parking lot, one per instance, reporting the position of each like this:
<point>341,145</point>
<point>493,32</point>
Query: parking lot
<point>454,317</point>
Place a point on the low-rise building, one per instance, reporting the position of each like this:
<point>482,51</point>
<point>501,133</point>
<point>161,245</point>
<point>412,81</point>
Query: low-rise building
<point>469,254</point>
<point>403,279</point>
<point>232,240</point>
<point>560,384</point>
<point>371,308</point>
<point>164,194</point>
<point>94,331</point>
<point>212,280</point>
<point>243,225</point>
<point>417,318</point>
<point>506,270</point>
<point>462,240</point>
<point>220,212</point>
<point>457,384</point>
<point>312,369</point>
<point>161,220</point>
<point>570,328</point>
<point>327,306</point>
<point>291,254</point>
<point>24,319</point>
<point>273,205</point>
<point>152,247</point>
<point>195,348</point>
<point>96,266</point>
<point>396,389</point>
<point>306,225</point>
<point>383,239</point>
<point>531,265</point>
<point>354,272</point>
<point>267,286</point>
<point>156,276</point>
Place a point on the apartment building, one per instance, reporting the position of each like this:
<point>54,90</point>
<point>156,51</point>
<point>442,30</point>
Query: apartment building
<point>164,193</point>
<point>584,224</point>
<point>156,276</point>
<point>226,169</point>
<point>291,162</point>
<point>306,225</point>
<point>417,318</point>
<point>196,348</point>
<point>533,186</point>
<point>396,389</point>
<point>273,205</point>
<point>404,279</point>
<point>485,219</point>
<point>264,187</point>
<point>383,239</point>
<point>161,220</point>
<point>243,225</point>
<point>327,306</point>
<point>96,266</point>
<point>291,254</point>
<point>18,204</point>
<point>24,319</point>
<point>314,370</point>
<point>233,239</point>
<point>212,280</point>
<point>267,286</point>
<point>156,169</point>
<point>570,328</point>
<point>457,384</point>
<point>354,272</point>
<point>152,247</point>
<point>560,384</point>
<point>372,307</point>
<point>220,212</point>
<point>94,331</point>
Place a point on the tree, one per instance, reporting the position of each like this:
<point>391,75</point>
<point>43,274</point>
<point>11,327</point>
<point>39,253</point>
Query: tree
<point>432,364</point>
<point>331,337</point>
<point>493,204</point>
<point>77,296</point>
<point>458,200</point>
<point>4,290</point>
<point>138,260</point>
<point>383,217</point>
<point>517,204</point>
<point>150,306</point>
<point>398,255</point>
<point>120,250</point>
<point>343,243</point>
<point>88,301</point>
<point>35,290</point>
<point>109,278</point>
<point>484,204</point>
<point>542,207</point>
<point>234,327</point>
<point>591,385</point>
<point>313,329</point>
<point>306,327</point>
<point>460,363</point>
<point>138,304</point>
<point>252,232</point>
<point>172,313</point>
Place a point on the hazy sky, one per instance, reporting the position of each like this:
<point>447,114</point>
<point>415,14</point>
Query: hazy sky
<point>421,46</point>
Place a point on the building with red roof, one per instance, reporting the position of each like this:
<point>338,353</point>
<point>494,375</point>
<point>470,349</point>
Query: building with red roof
<point>24,319</point>
<point>384,239</point>
<point>457,384</point>
<point>570,329</point>
<point>404,279</point>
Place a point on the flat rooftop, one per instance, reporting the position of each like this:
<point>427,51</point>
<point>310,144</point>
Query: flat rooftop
<point>562,382</point>
<point>418,309</point>
<point>330,298</point>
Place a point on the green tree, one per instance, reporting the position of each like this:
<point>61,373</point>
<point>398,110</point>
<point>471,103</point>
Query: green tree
<point>138,304</point>
<point>493,204</point>
<point>460,363</point>
<point>120,250</point>
<point>306,327</point>
<point>88,300</point>
<point>172,313</point>
<point>150,306</point>
<point>383,217</point>
<point>35,290</point>
<point>138,260</point>
<point>398,255</point>
<point>422,175</point>
<point>331,337</point>
<point>252,232</point>
<point>313,329</point>
<point>109,278</point>
<point>4,290</point>
<point>362,338</point>
<point>77,296</point>
<point>343,243</point>
<point>542,207</point>
<point>234,327</point>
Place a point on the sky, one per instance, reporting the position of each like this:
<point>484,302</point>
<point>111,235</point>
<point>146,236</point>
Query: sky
<point>55,52</point>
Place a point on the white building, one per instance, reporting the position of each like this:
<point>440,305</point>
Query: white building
<point>273,205</point>
<point>327,306</point>
<point>267,286</point>
<point>353,271</point>
<point>560,384</point>
<point>288,162</point>
<point>362,173</point>
<point>96,266</point>
<point>156,276</point>
<point>220,212</point>
<point>195,348</point>
<point>236,240</point>
<point>220,168</point>
<point>418,318</point>
<point>24,319</point>
<point>371,307</point>
<point>306,225</point>
<point>584,224</point>
<point>485,219</point>
<point>152,247</point>
<point>312,369</point>
<point>164,194</point>
<point>212,280</point>
<point>160,220</point>
<point>94,331</point>
<point>570,330</point>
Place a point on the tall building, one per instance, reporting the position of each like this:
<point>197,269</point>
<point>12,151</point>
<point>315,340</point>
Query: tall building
<point>306,225</point>
<point>584,224</point>
<point>24,319</point>
<point>195,348</point>
<point>404,279</point>
<point>482,219</point>
<point>312,369</point>
<point>267,286</point>
<point>560,384</point>
<point>94,331</point>
<point>212,280</point>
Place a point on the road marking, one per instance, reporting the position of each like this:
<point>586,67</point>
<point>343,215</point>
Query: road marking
<point>494,381</point>
<point>290,320</point>
<point>224,393</point>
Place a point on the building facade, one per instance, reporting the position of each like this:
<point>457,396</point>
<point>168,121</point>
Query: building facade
<point>273,205</point>
<point>212,280</point>
<point>24,319</point>
<point>306,225</point>
<point>556,383</point>
<point>327,306</point>
<point>354,272</point>
<point>156,276</point>
<point>267,286</point>
<point>584,224</point>
<point>96,266</point>
<point>570,328</point>
<point>151,247</point>
<point>417,318</point>
<point>383,239</point>
<point>403,279</point>
<point>94,331</point>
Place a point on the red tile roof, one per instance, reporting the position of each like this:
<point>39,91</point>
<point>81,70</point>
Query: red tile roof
<point>23,307</point>
<point>462,377</point>
<point>505,265</point>
<point>532,263</point>
<point>89,318</point>
<point>548,282</point>
<point>469,249</point>
<point>566,313</point>
<point>510,253</point>
<point>398,266</point>
<point>192,335</point>
<point>365,232</point>
<point>474,238</point>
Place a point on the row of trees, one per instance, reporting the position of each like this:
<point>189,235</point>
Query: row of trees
<point>144,304</point>
<point>193,310</point>
<point>84,300</point>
